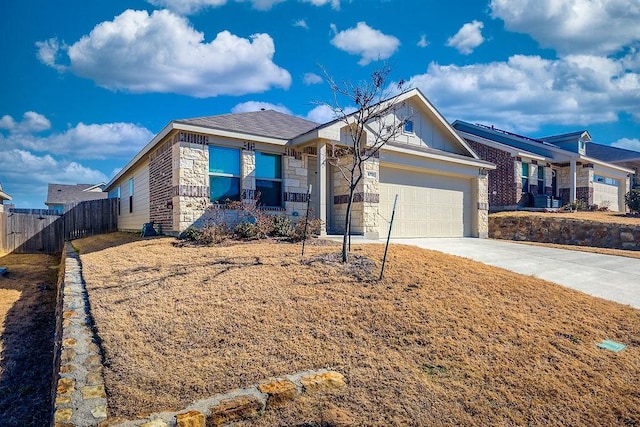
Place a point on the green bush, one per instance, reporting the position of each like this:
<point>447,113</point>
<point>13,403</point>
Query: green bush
<point>632,199</point>
<point>281,226</point>
<point>191,233</point>
<point>248,230</point>
<point>576,205</point>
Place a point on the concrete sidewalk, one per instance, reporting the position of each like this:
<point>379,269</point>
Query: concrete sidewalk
<point>610,277</point>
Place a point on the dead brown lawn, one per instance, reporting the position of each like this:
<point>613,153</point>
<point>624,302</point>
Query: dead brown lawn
<point>27,322</point>
<point>441,341</point>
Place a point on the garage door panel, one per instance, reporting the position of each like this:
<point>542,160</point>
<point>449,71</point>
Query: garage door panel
<point>428,205</point>
<point>605,194</point>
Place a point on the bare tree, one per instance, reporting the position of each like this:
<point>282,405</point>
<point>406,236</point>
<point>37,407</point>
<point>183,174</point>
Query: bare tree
<point>375,122</point>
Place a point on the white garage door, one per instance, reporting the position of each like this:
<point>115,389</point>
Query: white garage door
<point>428,205</point>
<point>605,194</point>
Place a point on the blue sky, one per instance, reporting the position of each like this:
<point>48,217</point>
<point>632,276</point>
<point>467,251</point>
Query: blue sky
<point>86,84</point>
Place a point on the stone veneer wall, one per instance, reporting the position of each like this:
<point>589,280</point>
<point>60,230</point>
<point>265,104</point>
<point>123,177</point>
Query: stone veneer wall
<point>483,206</point>
<point>190,183</point>
<point>295,188</point>
<point>366,200</point>
<point>564,231</point>
<point>160,186</point>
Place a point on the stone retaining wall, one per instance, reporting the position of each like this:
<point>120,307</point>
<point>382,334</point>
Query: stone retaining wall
<point>564,231</point>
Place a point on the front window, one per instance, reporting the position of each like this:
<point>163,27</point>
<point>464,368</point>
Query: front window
<point>605,180</point>
<point>269,179</point>
<point>540,180</point>
<point>408,126</point>
<point>130,195</point>
<point>525,177</point>
<point>224,174</point>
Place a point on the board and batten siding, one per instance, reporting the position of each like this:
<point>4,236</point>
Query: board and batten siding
<point>133,221</point>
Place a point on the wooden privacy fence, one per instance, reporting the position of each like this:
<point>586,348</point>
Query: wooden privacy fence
<point>45,232</point>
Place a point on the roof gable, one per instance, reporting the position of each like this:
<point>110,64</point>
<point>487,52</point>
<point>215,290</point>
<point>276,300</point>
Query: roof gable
<point>267,123</point>
<point>433,131</point>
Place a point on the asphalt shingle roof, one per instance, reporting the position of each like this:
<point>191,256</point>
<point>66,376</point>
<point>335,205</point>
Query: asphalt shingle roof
<point>267,123</point>
<point>62,193</point>
<point>608,153</point>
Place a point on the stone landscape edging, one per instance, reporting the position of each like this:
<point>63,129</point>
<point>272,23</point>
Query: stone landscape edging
<point>78,387</point>
<point>79,393</point>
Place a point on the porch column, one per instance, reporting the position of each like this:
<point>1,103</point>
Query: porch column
<point>321,183</point>
<point>572,180</point>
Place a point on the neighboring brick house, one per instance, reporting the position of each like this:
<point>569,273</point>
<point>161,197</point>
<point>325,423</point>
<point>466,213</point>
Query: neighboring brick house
<point>563,167</point>
<point>62,197</point>
<point>194,165</point>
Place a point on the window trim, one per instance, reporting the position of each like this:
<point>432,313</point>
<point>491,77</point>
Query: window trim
<point>224,174</point>
<point>131,189</point>
<point>278,180</point>
<point>525,178</point>
<point>410,123</point>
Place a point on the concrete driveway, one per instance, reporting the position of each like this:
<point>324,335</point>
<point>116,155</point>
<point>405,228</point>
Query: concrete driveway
<point>610,277</point>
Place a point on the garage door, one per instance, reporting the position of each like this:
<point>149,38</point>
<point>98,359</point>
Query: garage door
<point>428,205</point>
<point>605,195</point>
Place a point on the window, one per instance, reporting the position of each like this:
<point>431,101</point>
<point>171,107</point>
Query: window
<point>540,180</point>
<point>115,193</point>
<point>269,179</point>
<point>408,126</point>
<point>130,195</point>
<point>525,177</point>
<point>605,180</point>
<point>224,174</point>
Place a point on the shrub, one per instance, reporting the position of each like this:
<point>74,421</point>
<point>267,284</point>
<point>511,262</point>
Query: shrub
<point>281,226</point>
<point>249,230</point>
<point>191,233</point>
<point>314,226</point>
<point>576,205</point>
<point>632,199</point>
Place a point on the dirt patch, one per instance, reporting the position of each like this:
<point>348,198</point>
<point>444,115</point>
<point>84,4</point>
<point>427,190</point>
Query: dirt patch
<point>27,314</point>
<point>442,339</point>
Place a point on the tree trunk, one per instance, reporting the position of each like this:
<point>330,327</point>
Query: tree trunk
<point>347,223</point>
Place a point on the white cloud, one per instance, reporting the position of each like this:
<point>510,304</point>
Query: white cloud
<point>369,43</point>
<point>188,7</point>
<point>423,41</point>
<point>48,52</point>
<point>93,141</point>
<point>246,107</point>
<point>467,38</point>
<point>334,3</point>
<point>31,122</point>
<point>628,144</point>
<point>46,169</point>
<point>311,79</point>
<point>527,92</point>
<point>321,114</point>
<point>573,26</point>
<point>301,23</point>
<point>161,52</point>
